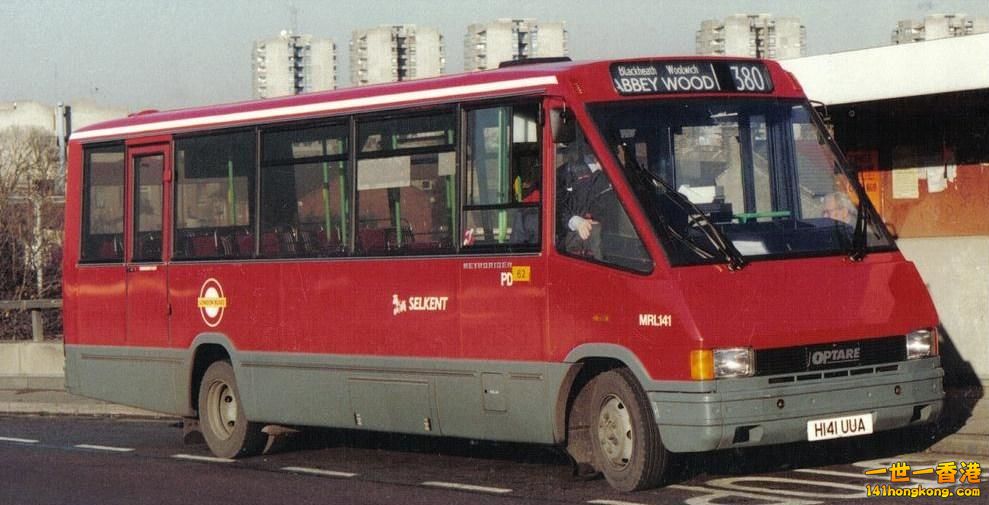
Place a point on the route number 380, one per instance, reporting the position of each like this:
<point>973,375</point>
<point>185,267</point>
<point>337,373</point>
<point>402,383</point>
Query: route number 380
<point>749,78</point>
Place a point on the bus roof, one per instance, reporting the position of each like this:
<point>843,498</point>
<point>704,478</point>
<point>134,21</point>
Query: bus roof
<point>591,79</point>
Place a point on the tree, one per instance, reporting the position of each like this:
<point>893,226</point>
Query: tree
<point>30,214</point>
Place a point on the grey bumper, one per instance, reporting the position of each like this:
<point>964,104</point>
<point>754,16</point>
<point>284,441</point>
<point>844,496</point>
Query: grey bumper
<point>775,409</point>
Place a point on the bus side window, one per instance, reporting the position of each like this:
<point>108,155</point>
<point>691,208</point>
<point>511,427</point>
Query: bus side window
<point>148,205</point>
<point>103,205</point>
<point>214,196</point>
<point>503,175</point>
<point>406,180</point>
<point>591,222</point>
<point>305,209</point>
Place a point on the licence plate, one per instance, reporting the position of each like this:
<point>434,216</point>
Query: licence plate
<point>839,427</point>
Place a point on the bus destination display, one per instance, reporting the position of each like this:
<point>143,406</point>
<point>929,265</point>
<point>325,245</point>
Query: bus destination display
<point>657,77</point>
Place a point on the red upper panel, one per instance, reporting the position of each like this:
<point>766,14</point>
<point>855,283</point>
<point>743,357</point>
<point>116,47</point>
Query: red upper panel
<point>580,81</point>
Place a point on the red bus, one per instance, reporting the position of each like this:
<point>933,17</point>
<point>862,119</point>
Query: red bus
<point>628,258</point>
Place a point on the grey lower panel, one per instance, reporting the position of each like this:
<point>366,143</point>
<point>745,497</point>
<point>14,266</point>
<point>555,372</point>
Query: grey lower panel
<point>491,400</point>
<point>749,412</point>
<point>149,378</point>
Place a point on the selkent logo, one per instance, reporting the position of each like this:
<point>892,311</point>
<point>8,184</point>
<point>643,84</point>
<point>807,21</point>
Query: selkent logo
<point>818,358</point>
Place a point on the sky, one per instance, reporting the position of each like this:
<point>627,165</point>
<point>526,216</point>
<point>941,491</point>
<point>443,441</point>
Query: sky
<point>140,54</point>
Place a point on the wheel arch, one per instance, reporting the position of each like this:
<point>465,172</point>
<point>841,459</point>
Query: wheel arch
<point>589,360</point>
<point>207,349</point>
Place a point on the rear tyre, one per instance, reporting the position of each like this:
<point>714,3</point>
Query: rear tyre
<point>226,429</point>
<point>624,437</point>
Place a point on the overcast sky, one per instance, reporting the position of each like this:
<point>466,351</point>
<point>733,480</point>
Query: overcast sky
<point>144,54</point>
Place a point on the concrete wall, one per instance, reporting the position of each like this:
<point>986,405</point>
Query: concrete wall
<point>32,365</point>
<point>956,271</point>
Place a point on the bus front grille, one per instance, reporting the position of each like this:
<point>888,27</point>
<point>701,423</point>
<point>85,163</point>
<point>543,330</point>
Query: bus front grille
<point>818,359</point>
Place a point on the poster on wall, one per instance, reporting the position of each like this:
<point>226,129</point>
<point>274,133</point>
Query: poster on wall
<point>906,183</point>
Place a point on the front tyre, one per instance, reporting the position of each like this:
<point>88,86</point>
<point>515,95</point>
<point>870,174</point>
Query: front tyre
<point>227,431</point>
<point>624,436</point>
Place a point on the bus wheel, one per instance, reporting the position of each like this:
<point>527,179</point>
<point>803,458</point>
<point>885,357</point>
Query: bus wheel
<point>624,437</point>
<point>227,431</point>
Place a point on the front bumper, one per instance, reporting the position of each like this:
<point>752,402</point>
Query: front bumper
<point>775,409</point>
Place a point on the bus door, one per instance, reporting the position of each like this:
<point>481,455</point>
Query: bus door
<point>147,291</point>
<point>503,309</point>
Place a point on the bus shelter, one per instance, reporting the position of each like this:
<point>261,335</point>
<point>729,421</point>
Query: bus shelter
<point>913,120</point>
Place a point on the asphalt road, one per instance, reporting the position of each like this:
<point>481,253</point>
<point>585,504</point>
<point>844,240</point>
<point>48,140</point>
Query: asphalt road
<point>61,460</point>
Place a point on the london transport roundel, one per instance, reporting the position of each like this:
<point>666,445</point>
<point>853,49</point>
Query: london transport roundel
<point>211,302</point>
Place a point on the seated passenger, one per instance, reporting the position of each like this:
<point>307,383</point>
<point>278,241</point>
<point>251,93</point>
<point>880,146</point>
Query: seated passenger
<point>525,221</point>
<point>839,206</point>
<point>525,226</point>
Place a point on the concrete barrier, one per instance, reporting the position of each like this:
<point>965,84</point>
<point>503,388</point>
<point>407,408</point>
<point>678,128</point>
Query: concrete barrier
<point>956,271</point>
<point>32,365</point>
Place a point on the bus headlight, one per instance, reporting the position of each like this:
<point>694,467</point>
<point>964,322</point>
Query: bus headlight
<point>722,363</point>
<point>921,344</point>
<point>734,362</point>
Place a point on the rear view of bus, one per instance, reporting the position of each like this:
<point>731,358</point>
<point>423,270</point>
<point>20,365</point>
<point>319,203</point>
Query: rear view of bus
<point>794,318</point>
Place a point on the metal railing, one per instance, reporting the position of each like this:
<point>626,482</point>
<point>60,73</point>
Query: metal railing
<point>35,306</point>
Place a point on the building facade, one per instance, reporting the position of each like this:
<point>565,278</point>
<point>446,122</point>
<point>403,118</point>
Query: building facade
<point>753,35</point>
<point>939,26</point>
<point>29,114</point>
<point>291,64</point>
<point>391,53</point>
<point>488,44</point>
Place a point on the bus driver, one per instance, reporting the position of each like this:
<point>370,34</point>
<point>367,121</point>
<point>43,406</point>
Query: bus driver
<point>580,186</point>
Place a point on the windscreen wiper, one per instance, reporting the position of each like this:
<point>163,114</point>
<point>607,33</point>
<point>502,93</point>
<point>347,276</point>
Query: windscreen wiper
<point>695,216</point>
<point>859,237</point>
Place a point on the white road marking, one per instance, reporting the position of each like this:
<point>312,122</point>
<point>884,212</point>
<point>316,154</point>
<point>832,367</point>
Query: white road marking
<point>613,502</point>
<point>206,459</point>
<point>730,483</point>
<point>711,495</point>
<point>467,487</point>
<point>104,448</point>
<point>18,440</point>
<point>317,471</point>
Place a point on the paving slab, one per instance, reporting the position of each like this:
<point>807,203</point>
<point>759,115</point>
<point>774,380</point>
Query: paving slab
<point>60,402</point>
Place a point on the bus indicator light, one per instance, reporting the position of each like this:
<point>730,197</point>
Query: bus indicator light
<point>702,364</point>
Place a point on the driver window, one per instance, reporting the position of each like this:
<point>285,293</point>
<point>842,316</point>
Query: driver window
<point>590,221</point>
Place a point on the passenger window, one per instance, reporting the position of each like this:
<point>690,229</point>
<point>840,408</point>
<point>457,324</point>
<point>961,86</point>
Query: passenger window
<point>214,196</point>
<point>147,207</point>
<point>383,135</point>
<point>503,179</point>
<point>406,180</point>
<point>305,192</point>
<point>103,205</point>
<point>590,220</point>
